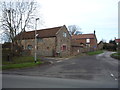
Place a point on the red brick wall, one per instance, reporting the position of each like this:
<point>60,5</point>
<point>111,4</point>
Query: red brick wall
<point>93,42</point>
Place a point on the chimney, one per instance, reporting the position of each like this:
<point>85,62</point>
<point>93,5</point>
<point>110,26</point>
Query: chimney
<point>94,31</point>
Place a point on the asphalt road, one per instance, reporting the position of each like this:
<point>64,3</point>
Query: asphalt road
<point>82,71</point>
<point>17,81</point>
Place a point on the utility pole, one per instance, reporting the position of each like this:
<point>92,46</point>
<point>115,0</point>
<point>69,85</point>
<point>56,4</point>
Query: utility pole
<point>36,40</point>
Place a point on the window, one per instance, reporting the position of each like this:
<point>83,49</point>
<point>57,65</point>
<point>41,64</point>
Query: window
<point>40,40</point>
<point>47,48</point>
<point>64,34</point>
<point>81,44</point>
<point>29,47</point>
<point>88,45</point>
<point>87,40</point>
<point>64,48</point>
<point>22,47</point>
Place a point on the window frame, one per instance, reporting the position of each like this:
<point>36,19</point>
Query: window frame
<point>64,47</point>
<point>39,39</point>
<point>87,40</point>
<point>29,47</point>
<point>64,34</point>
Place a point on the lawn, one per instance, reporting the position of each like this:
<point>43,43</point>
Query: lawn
<point>116,55</point>
<point>95,52</point>
<point>20,62</point>
<point>21,65</point>
<point>20,59</point>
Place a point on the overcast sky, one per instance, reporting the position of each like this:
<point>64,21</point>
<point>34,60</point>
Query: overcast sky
<point>90,15</point>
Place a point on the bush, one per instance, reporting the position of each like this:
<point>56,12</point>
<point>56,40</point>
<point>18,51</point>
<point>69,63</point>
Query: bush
<point>6,55</point>
<point>116,56</point>
<point>110,47</point>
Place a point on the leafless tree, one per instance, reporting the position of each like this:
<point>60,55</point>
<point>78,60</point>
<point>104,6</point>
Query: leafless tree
<point>16,17</point>
<point>74,30</point>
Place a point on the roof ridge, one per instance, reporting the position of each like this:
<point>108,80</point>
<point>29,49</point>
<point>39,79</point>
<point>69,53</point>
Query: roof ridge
<point>85,34</point>
<point>45,29</point>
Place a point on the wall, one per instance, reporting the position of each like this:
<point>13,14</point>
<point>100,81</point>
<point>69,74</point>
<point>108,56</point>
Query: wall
<point>45,46</point>
<point>93,44</point>
<point>27,42</point>
<point>100,46</point>
<point>61,41</point>
<point>75,50</point>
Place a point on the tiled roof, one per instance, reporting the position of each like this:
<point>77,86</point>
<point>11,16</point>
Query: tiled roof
<point>76,43</point>
<point>43,33</point>
<point>117,40</point>
<point>100,42</point>
<point>83,36</point>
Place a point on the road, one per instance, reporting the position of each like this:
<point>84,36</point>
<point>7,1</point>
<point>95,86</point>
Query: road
<point>17,81</point>
<point>99,71</point>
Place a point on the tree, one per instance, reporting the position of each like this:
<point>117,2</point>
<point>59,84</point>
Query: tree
<point>112,46</point>
<point>16,17</point>
<point>112,42</point>
<point>74,30</point>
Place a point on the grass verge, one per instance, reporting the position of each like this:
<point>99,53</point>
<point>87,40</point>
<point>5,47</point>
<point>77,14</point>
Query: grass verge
<point>115,55</point>
<point>21,65</point>
<point>20,62</point>
<point>95,52</point>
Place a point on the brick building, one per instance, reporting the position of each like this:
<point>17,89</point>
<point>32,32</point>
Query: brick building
<point>89,40</point>
<point>77,48</point>
<point>50,42</point>
<point>117,41</point>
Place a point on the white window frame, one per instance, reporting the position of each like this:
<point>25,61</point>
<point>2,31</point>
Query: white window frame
<point>88,40</point>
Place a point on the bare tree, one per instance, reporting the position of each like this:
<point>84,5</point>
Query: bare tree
<point>74,30</point>
<point>16,17</point>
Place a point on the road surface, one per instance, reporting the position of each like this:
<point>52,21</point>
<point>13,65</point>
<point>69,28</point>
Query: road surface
<point>17,81</point>
<point>82,71</point>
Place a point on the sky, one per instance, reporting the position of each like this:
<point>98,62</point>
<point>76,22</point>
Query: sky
<point>90,15</point>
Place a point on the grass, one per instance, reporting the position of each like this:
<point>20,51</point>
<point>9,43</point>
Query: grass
<point>95,52</point>
<point>20,62</point>
<point>20,59</point>
<point>22,65</point>
<point>116,55</point>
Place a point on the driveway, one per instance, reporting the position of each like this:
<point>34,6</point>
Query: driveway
<point>96,68</point>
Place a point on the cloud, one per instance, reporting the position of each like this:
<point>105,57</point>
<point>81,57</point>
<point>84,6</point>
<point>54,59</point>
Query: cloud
<point>88,14</point>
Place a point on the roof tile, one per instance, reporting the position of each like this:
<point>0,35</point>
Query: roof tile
<point>83,36</point>
<point>43,33</point>
<point>117,40</point>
